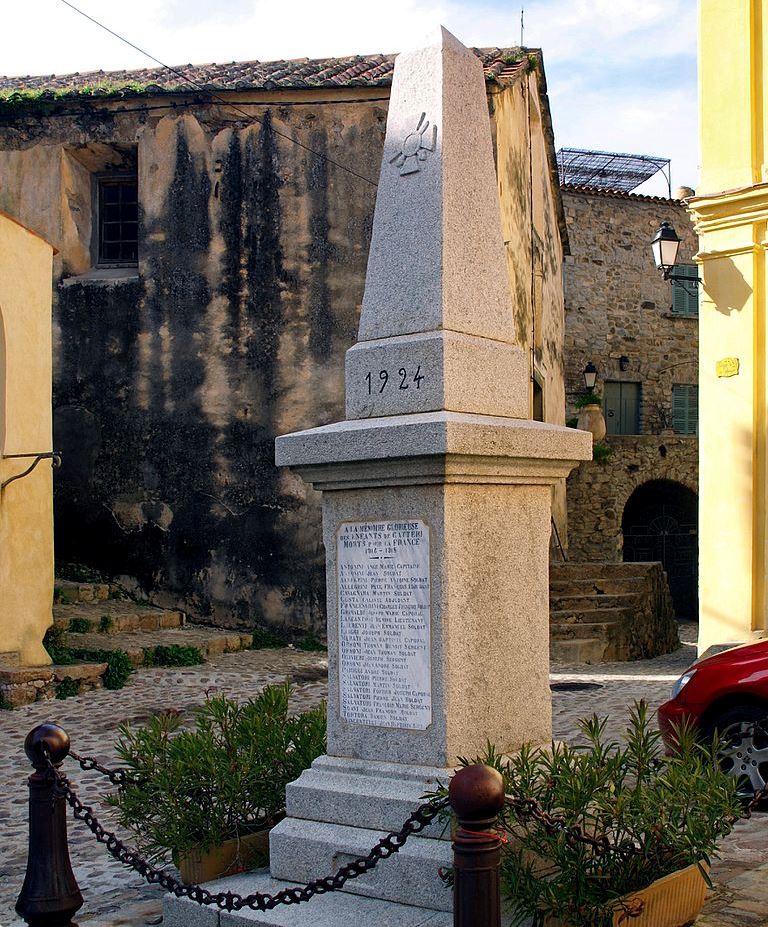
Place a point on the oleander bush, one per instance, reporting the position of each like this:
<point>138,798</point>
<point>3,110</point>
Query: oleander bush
<point>668,812</point>
<point>223,776</point>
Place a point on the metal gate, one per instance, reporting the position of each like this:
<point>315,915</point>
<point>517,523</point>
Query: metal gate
<point>675,543</point>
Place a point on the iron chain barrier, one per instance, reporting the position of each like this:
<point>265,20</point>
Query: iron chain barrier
<point>50,895</point>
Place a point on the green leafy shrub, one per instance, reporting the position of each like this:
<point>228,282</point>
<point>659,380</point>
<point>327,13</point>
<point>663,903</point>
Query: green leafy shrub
<point>78,573</point>
<point>588,399</point>
<point>119,668</point>
<point>224,778</point>
<point>264,639</point>
<point>5,705</point>
<point>310,643</point>
<point>67,688</point>
<point>672,810</point>
<point>79,625</point>
<point>106,623</point>
<point>55,642</point>
<point>601,452</point>
<point>572,422</point>
<point>173,655</point>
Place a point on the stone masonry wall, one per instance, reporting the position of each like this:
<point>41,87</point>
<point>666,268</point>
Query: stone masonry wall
<point>616,303</point>
<point>598,490</point>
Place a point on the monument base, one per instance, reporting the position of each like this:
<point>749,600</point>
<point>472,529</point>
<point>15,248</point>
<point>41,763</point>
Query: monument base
<point>340,808</point>
<point>335,909</point>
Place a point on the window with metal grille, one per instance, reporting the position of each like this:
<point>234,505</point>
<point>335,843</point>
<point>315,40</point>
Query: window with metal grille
<point>685,408</point>
<point>685,296</point>
<point>118,208</point>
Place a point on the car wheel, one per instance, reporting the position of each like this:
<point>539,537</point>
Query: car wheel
<point>743,754</point>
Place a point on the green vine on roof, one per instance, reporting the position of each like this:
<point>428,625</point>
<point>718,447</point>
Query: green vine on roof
<point>43,98</point>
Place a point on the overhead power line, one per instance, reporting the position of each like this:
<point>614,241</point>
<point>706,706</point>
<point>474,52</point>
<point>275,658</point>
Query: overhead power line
<point>206,90</point>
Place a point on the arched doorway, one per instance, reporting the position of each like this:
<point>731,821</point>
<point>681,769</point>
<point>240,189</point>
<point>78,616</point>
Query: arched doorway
<point>660,522</point>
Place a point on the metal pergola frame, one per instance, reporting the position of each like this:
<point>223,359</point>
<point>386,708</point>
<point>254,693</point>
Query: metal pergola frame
<point>610,170</point>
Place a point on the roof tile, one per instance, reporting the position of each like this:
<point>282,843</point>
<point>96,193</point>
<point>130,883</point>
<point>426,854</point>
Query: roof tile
<point>501,64</point>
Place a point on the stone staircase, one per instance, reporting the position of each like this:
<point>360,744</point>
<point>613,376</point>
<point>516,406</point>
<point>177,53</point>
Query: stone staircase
<point>101,617</point>
<point>608,612</point>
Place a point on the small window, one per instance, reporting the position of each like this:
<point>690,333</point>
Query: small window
<point>622,408</point>
<point>118,209</point>
<point>685,408</point>
<point>685,296</point>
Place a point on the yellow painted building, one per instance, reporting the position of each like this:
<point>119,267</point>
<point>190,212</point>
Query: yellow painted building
<point>26,504</point>
<point>731,216</point>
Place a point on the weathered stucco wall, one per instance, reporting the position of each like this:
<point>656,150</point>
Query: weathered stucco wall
<point>26,505</point>
<point>173,379</point>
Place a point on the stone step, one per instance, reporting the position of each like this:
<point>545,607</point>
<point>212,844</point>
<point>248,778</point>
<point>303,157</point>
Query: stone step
<point>589,650</point>
<point>115,616</point>
<point>584,631</point>
<point>589,616</point>
<point>573,570</point>
<point>580,602</point>
<point>334,909</point>
<point>210,641</point>
<point>23,685</point>
<point>608,585</point>
<point>68,592</point>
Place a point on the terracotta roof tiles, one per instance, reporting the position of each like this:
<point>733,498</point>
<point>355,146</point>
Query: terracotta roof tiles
<point>502,65</point>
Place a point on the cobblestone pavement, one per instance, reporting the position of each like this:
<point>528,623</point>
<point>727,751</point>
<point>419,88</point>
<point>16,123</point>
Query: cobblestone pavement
<point>115,896</point>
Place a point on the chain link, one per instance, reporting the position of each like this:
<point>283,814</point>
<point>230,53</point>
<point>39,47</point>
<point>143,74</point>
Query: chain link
<point>528,809</point>
<point>231,901</point>
<point>524,809</point>
<point>118,777</point>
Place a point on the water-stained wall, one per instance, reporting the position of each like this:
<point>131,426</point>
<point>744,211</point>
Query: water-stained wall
<point>173,378</point>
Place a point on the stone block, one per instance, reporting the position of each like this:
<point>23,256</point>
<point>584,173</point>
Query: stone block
<point>334,909</point>
<point>305,850</point>
<point>378,796</point>
<point>434,371</point>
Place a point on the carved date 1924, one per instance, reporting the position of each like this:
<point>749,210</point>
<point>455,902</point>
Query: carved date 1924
<point>403,379</point>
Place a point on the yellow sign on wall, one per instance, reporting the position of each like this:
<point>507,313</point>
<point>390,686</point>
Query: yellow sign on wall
<point>727,367</point>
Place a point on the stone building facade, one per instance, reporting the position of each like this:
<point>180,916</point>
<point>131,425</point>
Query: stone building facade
<point>212,241</point>
<point>637,499</point>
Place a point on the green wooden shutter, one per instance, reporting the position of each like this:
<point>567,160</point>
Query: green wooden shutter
<point>685,296</point>
<point>685,408</point>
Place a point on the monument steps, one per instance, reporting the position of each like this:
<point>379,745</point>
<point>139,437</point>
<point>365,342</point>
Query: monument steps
<point>334,909</point>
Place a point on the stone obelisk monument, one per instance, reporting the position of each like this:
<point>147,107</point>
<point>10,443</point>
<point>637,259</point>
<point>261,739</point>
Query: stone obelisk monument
<point>436,494</point>
<point>436,499</point>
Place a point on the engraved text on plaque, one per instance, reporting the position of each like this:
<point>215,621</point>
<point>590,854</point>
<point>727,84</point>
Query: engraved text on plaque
<point>384,661</point>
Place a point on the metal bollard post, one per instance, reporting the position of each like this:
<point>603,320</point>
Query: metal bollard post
<point>50,895</point>
<point>477,795</point>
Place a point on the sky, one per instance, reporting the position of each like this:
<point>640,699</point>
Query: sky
<point>621,74</point>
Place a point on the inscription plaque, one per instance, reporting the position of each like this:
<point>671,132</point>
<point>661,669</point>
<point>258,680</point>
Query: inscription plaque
<point>384,624</point>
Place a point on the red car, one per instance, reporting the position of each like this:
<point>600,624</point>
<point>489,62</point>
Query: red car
<point>728,693</point>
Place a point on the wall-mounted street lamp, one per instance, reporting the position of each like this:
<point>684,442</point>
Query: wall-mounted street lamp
<point>665,247</point>
<point>623,362</point>
<point>590,376</point>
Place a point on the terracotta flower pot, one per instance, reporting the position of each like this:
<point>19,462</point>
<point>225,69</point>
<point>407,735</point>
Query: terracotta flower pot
<point>673,901</point>
<point>591,419</point>
<point>237,855</point>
